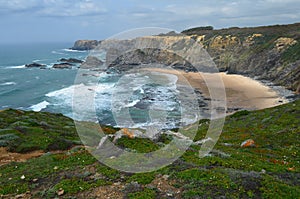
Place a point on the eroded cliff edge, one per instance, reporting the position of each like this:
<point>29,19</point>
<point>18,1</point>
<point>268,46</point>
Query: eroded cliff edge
<point>271,52</point>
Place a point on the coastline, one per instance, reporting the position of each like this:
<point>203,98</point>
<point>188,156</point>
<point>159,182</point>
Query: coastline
<point>241,92</point>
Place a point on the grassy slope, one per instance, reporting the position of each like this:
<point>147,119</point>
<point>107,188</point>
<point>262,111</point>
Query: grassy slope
<point>269,170</point>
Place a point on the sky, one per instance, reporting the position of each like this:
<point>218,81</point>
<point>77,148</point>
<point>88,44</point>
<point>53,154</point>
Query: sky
<point>69,20</point>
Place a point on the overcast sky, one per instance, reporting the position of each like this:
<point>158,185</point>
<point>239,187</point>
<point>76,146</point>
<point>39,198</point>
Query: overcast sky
<point>69,20</point>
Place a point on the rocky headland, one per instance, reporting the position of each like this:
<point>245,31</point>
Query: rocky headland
<point>256,156</point>
<point>85,44</point>
<point>269,53</point>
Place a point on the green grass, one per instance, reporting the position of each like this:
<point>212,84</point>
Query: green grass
<point>291,54</point>
<point>36,131</point>
<point>145,194</point>
<point>271,169</point>
<point>140,145</point>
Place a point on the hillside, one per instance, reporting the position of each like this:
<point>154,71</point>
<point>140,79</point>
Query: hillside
<point>269,52</point>
<point>269,169</point>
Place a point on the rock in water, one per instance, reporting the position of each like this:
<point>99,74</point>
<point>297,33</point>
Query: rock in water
<point>35,65</point>
<point>71,60</point>
<point>62,66</point>
<point>85,44</point>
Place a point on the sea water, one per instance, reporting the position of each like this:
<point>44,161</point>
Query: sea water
<point>152,99</point>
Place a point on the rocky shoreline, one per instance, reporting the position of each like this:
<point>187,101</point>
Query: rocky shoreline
<point>270,53</point>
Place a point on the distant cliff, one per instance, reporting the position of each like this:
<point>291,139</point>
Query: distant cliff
<point>85,44</point>
<point>271,52</point>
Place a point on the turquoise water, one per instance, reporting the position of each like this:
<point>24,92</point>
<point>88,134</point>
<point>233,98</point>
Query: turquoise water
<point>22,87</point>
<point>149,99</point>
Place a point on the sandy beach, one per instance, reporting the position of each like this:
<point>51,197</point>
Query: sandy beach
<point>241,92</point>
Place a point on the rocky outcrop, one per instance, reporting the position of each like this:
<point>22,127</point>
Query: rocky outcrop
<point>85,44</point>
<point>176,51</point>
<point>283,43</point>
<point>271,53</point>
<point>131,59</point>
<point>35,65</point>
<point>62,66</point>
<point>91,62</point>
<point>71,60</point>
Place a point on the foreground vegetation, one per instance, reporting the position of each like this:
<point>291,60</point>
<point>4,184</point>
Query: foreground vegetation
<point>270,169</point>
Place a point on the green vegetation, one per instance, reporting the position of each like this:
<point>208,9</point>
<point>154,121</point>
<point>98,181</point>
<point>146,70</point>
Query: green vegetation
<point>198,29</point>
<point>271,169</point>
<point>28,131</point>
<point>140,145</point>
<point>142,178</point>
<point>146,193</point>
<point>292,54</point>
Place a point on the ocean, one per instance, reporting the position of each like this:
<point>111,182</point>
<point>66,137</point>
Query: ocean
<point>26,88</point>
<point>152,99</point>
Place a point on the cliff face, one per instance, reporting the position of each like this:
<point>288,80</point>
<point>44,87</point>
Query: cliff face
<point>271,53</point>
<point>85,44</point>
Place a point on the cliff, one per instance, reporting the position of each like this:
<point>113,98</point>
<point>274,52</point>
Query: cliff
<point>271,52</point>
<point>85,44</point>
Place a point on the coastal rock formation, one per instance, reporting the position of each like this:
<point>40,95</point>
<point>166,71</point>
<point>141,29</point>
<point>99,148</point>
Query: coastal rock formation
<point>91,62</point>
<point>271,52</point>
<point>62,66</point>
<point>85,44</point>
<point>149,56</point>
<point>283,43</point>
<point>176,51</point>
<point>221,42</point>
<point>35,65</point>
<point>71,60</point>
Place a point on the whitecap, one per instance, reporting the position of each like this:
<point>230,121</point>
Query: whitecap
<point>131,104</point>
<point>38,107</point>
<point>142,91</point>
<point>75,51</point>
<point>8,83</point>
<point>59,53</point>
<point>77,97</point>
<point>38,60</point>
<point>16,67</point>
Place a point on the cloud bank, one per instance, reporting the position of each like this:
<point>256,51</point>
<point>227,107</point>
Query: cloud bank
<point>99,19</point>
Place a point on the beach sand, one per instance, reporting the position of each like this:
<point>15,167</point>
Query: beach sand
<point>241,92</point>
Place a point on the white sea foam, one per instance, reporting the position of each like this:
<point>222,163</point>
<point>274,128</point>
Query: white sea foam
<point>131,104</point>
<point>8,83</point>
<point>16,67</point>
<point>40,106</point>
<point>75,51</point>
<point>38,60</point>
<point>79,97</point>
<point>56,52</point>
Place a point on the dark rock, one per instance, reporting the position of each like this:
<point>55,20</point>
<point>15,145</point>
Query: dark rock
<point>85,44</point>
<point>132,187</point>
<point>35,65</point>
<point>138,57</point>
<point>91,62</point>
<point>63,66</point>
<point>71,60</point>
